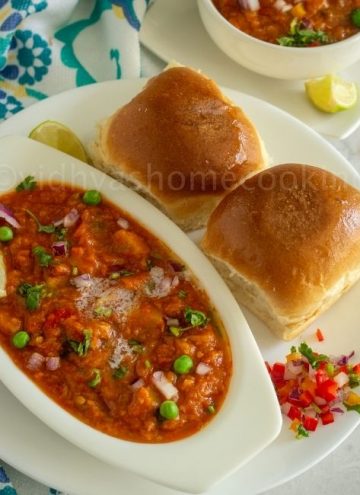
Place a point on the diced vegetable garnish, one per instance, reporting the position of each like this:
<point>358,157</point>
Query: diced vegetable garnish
<point>32,295</point>
<point>21,339</point>
<point>8,216</point>
<point>94,382</point>
<point>311,387</point>
<point>81,348</point>
<point>6,234</point>
<point>319,335</point>
<point>300,35</point>
<point>355,17</point>
<point>169,409</point>
<point>194,317</point>
<point>45,259</point>
<point>92,197</point>
<point>28,184</point>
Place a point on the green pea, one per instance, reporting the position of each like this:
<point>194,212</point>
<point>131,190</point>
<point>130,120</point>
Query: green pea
<point>355,17</point>
<point>169,409</point>
<point>21,339</point>
<point>6,234</point>
<point>183,364</point>
<point>92,197</point>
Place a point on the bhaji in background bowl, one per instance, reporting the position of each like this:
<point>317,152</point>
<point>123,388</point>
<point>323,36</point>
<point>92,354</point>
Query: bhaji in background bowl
<point>330,49</point>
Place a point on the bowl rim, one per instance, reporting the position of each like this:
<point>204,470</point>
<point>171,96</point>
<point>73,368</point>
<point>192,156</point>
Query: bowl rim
<point>209,4</point>
<point>22,156</point>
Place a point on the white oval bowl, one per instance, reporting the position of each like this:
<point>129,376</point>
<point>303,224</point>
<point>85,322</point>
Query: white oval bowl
<point>250,417</point>
<point>274,60</point>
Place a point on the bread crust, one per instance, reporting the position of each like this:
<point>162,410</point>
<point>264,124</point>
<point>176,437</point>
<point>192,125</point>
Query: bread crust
<point>182,143</point>
<point>292,235</point>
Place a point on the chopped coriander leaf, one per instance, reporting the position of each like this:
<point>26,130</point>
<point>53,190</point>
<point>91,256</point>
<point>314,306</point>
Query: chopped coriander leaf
<point>299,36</point>
<point>194,317</point>
<point>301,432</point>
<point>120,372</point>
<point>136,346</point>
<point>60,233</point>
<point>32,295</point>
<point>81,348</point>
<point>96,380</point>
<point>45,259</point>
<point>182,294</point>
<point>47,229</point>
<point>293,349</point>
<point>103,311</point>
<point>313,358</point>
<point>28,184</point>
<point>355,407</point>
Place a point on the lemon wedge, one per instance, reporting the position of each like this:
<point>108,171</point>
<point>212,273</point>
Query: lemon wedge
<point>60,137</point>
<point>331,94</point>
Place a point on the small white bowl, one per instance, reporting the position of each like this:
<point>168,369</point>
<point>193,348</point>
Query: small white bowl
<point>250,417</point>
<point>274,60</point>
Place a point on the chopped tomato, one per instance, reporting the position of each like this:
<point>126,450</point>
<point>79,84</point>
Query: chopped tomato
<point>294,413</point>
<point>310,423</point>
<point>319,335</point>
<point>327,418</point>
<point>306,399</point>
<point>327,390</point>
<point>277,372</point>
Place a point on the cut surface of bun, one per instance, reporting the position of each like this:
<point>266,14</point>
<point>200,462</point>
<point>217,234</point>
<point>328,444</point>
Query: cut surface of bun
<point>182,144</point>
<point>288,243</point>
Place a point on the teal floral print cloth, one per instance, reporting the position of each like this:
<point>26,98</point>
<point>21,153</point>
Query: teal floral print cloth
<point>49,46</point>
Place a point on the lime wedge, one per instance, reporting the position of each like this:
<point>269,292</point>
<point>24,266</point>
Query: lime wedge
<point>331,93</point>
<point>60,137</point>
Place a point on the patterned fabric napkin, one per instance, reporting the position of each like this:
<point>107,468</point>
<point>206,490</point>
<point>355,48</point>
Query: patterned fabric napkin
<point>48,46</point>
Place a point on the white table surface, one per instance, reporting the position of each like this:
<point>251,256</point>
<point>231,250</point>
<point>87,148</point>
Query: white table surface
<point>339,473</point>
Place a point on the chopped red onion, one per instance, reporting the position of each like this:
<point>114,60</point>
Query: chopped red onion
<point>35,361</point>
<point>203,369</point>
<point>343,360</point>
<point>177,267</point>
<point>69,220</point>
<point>53,363</point>
<point>285,408</point>
<point>138,384</point>
<point>337,410</point>
<point>249,4</point>
<point>81,281</point>
<point>8,216</point>
<point>319,401</point>
<point>341,379</point>
<point>172,322</point>
<point>123,223</point>
<point>165,386</point>
<point>60,248</point>
<point>295,367</point>
<point>294,394</point>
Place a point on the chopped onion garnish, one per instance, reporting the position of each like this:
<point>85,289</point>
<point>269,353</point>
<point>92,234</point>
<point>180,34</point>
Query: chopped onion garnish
<point>337,410</point>
<point>295,367</point>
<point>341,379</point>
<point>123,223</point>
<point>69,220</point>
<point>175,282</point>
<point>172,322</point>
<point>53,363</point>
<point>343,360</point>
<point>35,361</point>
<point>8,216</point>
<point>82,281</point>
<point>165,386</point>
<point>319,401</point>
<point>249,4</point>
<point>60,248</point>
<point>138,384</point>
<point>203,369</point>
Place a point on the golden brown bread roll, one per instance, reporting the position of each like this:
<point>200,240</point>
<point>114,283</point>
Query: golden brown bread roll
<point>182,143</point>
<point>288,242</point>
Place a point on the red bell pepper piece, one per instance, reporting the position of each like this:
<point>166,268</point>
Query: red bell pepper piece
<point>327,418</point>
<point>321,376</point>
<point>306,399</point>
<point>327,390</point>
<point>310,423</point>
<point>356,369</point>
<point>294,413</point>
<point>277,372</point>
<point>319,335</point>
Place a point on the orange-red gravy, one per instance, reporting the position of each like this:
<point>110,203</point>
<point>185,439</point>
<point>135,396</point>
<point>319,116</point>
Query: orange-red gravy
<point>270,24</point>
<point>141,284</point>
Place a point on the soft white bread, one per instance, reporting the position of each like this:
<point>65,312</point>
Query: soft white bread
<point>182,144</point>
<point>288,243</point>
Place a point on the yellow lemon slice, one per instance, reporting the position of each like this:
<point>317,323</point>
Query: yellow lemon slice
<point>331,93</point>
<point>60,137</point>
